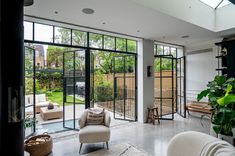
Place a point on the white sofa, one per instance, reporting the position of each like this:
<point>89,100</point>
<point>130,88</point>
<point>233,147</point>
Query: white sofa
<point>193,143</point>
<point>40,101</point>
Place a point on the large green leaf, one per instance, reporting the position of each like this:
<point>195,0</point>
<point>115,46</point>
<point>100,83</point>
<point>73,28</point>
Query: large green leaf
<point>204,93</point>
<point>228,98</point>
<point>220,80</point>
<point>217,129</point>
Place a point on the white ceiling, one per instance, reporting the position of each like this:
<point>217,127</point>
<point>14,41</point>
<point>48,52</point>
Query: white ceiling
<point>123,16</point>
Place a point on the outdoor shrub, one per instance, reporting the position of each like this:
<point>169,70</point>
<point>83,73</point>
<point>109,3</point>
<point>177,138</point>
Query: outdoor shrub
<point>103,92</point>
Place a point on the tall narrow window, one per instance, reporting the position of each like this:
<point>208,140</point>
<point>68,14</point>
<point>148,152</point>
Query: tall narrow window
<point>28,30</point>
<point>43,33</point>
<point>121,44</point>
<point>79,38</point>
<point>131,46</point>
<point>62,35</point>
<point>95,40</point>
<point>109,42</point>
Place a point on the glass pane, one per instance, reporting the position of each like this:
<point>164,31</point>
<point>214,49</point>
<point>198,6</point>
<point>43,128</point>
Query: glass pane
<point>95,40</point>
<point>159,50</point>
<point>173,52</point>
<point>131,46</point>
<point>130,87</point>
<point>166,50</point>
<point>211,3</point>
<point>224,3</point>
<point>28,30</point>
<point>79,84</point>
<point>43,33</point>
<point>62,35</point>
<point>109,42</point>
<point>155,49</point>
<point>157,82</point>
<point>79,38</point>
<point>121,44</point>
<point>167,87</point>
<point>119,87</point>
<point>167,107</point>
<point>167,64</point>
<point>69,92</point>
<point>29,91</point>
<point>157,66</point>
<point>179,53</point>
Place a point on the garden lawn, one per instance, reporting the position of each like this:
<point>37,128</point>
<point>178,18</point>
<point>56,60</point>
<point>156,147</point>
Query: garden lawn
<point>57,97</point>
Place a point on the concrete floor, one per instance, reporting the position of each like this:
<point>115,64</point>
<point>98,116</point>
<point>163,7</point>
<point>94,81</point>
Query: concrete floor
<point>150,138</point>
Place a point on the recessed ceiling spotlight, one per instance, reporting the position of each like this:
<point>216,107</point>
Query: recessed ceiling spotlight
<point>56,12</point>
<point>138,30</point>
<point>88,11</point>
<point>104,23</point>
<point>185,36</point>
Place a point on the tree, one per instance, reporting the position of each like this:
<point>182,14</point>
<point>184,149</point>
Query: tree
<point>54,57</point>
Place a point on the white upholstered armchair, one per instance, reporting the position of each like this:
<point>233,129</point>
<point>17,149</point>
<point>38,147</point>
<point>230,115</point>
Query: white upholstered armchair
<point>94,133</point>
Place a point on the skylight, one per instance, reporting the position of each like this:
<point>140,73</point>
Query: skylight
<point>216,3</point>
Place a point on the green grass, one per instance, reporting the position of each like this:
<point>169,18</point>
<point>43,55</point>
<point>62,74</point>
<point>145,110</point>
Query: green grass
<point>57,97</point>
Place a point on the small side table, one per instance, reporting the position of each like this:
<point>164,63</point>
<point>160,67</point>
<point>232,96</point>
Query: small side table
<point>153,115</point>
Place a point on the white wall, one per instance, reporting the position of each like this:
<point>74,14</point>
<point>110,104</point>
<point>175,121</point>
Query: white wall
<point>192,11</point>
<point>145,84</point>
<point>225,18</point>
<point>200,68</point>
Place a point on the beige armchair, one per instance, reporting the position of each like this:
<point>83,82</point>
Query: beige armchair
<point>94,133</point>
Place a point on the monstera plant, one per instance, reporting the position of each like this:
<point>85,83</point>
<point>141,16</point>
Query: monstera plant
<point>221,96</point>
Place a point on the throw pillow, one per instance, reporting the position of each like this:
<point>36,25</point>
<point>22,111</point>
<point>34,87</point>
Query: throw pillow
<point>50,106</point>
<point>95,117</point>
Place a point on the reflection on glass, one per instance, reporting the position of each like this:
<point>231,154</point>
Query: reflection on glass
<point>95,40</point>
<point>43,33</point>
<point>28,30</point>
<point>109,42</point>
<point>121,44</point>
<point>79,38</point>
<point>62,35</point>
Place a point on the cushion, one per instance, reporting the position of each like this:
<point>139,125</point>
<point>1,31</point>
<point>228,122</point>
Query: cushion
<point>95,117</point>
<point>94,133</point>
<point>40,98</point>
<point>50,106</point>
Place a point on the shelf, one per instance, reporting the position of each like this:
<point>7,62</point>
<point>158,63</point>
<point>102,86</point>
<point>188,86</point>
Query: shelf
<point>221,69</point>
<point>220,56</point>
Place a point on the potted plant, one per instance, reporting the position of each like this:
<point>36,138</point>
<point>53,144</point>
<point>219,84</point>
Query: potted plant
<point>221,96</point>
<point>29,122</point>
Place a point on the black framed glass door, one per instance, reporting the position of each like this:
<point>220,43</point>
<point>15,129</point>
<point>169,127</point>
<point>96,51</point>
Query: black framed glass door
<point>29,77</point>
<point>124,69</point>
<point>181,87</point>
<point>164,89</point>
<point>75,87</point>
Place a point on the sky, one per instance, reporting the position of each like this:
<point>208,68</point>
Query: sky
<point>42,33</point>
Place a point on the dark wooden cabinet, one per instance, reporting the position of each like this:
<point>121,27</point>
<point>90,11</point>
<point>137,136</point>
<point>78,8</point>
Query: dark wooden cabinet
<point>226,58</point>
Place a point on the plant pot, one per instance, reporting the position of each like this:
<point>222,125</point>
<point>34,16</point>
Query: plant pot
<point>212,132</point>
<point>229,139</point>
